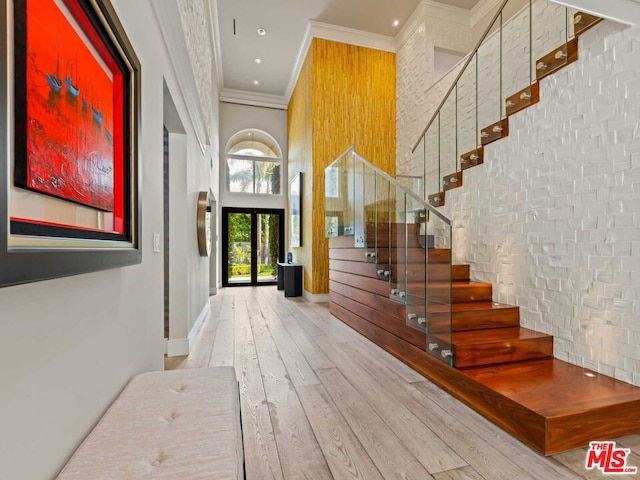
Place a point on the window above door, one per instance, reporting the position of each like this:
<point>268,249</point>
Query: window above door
<point>253,163</point>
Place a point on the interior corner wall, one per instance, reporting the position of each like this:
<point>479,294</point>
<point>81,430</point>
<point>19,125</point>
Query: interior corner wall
<point>300,159</point>
<point>70,345</point>
<point>417,95</point>
<point>328,113</point>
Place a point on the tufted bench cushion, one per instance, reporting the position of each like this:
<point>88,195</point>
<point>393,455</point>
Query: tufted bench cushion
<point>181,424</point>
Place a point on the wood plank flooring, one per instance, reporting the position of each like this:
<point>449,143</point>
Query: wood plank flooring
<point>320,401</point>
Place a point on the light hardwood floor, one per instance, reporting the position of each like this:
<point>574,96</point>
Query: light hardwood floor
<point>319,401</point>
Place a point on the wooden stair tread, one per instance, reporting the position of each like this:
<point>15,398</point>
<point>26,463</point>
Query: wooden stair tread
<point>528,399</point>
<point>553,388</point>
<point>493,346</point>
<point>496,335</point>
<point>472,316</point>
<point>474,306</point>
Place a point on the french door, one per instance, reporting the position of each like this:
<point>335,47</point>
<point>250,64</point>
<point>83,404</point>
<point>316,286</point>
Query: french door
<point>252,245</point>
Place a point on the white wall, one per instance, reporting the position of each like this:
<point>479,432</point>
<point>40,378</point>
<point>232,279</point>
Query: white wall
<point>233,118</point>
<point>69,346</point>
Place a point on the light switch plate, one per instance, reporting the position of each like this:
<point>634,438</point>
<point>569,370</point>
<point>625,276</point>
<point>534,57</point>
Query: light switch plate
<point>156,242</point>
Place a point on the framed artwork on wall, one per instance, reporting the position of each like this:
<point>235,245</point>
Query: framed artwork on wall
<point>295,211</point>
<point>69,191</point>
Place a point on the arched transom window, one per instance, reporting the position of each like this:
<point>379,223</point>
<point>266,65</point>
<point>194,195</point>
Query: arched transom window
<point>254,162</point>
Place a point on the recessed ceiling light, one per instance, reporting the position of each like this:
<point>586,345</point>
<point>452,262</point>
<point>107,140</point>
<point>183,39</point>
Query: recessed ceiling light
<point>258,61</point>
<point>589,374</point>
<point>396,23</point>
<point>262,31</point>
<point>256,82</point>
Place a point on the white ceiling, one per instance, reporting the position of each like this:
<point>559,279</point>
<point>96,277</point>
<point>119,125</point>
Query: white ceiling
<point>286,22</point>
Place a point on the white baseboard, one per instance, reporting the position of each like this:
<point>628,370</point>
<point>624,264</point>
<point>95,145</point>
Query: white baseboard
<point>182,346</point>
<point>178,348</point>
<point>198,325</point>
<point>314,298</point>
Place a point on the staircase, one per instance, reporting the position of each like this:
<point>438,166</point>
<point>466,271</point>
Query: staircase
<point>392,279</point>
<point>473,347</point>
<point>483,332</point>
<point>550,63</point>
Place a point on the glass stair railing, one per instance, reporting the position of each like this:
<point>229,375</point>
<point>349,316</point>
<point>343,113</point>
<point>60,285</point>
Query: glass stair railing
<point>406,240</point>
<point>526,41</point>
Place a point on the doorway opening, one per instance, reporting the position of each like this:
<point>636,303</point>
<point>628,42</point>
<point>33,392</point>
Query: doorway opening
<point>252,245</point>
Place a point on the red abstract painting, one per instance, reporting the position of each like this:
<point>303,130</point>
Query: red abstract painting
<point>70,102</point>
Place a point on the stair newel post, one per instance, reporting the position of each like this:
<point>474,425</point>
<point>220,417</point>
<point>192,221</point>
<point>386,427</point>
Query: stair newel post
<point>531,42</point>
<point>501,104</point>
<point>448,143</point>
<point>358,202</point>
<point>369,213</point>
<point>457,155</point>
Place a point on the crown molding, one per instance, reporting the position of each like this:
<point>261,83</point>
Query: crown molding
<point>446,12</point>
<point>168,18</point>
<point>481,10</point>
<point>340,34</point>
<point>255,99</point>
<point>300,58</point>
<point>214,31</point>
<point>415,21</point>
<point>351,36</point>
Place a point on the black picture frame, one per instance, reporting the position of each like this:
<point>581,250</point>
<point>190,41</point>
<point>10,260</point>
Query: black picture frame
<point>33,251</point>
<point>295,211</point>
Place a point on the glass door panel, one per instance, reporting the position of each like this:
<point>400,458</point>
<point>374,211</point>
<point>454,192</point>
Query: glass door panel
<point>268,246</point>
<point>239,250</point>
<point>252,245</point>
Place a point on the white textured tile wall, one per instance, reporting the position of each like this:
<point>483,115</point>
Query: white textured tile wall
<point>193,15</point>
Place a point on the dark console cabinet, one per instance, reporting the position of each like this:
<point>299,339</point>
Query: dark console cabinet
<point>290,279</point>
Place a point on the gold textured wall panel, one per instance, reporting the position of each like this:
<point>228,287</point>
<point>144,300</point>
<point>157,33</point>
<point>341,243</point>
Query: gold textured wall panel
<point>351,91</point>
<point>300,147</point>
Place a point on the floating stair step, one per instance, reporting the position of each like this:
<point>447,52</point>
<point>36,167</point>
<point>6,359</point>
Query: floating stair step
<point>456,292</point>
<point>358,268</point>
<point>558,406</point>
<point>557,59</point>
<point>413,254</point>
<point>396,228</point>
<point>524,98</point>
<point>546,403</point>
<point>472,158</point>
<point>380,302</point>
<point>436,199</point>
<point>395,240</point>
<point>495,131</point>
<point>452,181</point>
<point>344,241</point>
<point>499,345</point>
<point>584,21</point>
<point>436,272</point>
<point>368,284</point>
<point>472,316</point>
<point>352,253</point>
<point>387,322</point>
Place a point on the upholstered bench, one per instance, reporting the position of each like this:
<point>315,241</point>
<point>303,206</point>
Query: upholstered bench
<point>179,425</point>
